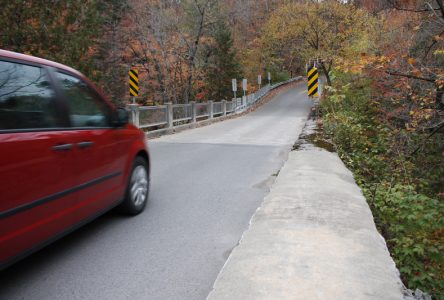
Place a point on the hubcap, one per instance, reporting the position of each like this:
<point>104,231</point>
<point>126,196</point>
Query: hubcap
<point>139,185</point>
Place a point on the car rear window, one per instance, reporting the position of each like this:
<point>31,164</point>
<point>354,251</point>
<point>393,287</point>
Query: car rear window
<point>26,97</point>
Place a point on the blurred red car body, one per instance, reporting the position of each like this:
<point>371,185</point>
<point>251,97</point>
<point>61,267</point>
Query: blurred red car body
<point>67,155</point>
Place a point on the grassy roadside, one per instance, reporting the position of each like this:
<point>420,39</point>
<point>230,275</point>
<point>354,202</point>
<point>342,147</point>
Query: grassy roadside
<point>403,190</point>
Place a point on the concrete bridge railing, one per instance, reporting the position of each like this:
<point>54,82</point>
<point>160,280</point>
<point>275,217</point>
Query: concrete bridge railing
<point>167,117</point>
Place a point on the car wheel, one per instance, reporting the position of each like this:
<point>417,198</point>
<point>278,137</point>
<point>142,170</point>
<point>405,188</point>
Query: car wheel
<point>137,191</point>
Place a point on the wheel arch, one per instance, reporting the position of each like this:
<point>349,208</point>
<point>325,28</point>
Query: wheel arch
<point>144,154</point>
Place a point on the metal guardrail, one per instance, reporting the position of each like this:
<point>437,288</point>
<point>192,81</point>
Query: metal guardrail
<point>162,117</point>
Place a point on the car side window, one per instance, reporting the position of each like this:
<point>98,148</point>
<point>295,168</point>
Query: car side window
<point>86,109</point>
<point>26,97</point>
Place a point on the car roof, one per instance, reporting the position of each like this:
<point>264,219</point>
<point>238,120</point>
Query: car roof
<point>49,63</point>
<point>37,60</point>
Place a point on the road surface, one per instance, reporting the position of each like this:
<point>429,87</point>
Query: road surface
<point>206,185</point>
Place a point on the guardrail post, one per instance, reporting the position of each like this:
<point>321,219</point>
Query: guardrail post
<point>193,112</point>
<point>135,114</point>
<point>170,116</point>
<point>210,109</point>
<point>224,108</point>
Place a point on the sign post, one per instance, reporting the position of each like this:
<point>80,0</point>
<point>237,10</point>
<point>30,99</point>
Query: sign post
<point>234,87</point>
<point>244,86</point>
<point>259,80</point>
<point>134,83</point>
<point>269,78</point>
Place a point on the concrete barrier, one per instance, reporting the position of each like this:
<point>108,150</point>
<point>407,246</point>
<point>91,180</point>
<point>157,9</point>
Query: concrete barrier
<point>313,238</point>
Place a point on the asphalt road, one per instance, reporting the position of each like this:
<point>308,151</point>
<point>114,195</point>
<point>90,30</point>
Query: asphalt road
<point>206,185</point>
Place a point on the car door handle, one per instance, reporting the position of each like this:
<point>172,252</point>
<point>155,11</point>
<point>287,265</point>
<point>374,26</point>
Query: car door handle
<point>62,147</point>
<point>83,145</point>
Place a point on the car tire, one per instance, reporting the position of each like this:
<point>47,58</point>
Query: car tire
<point>137,191</point>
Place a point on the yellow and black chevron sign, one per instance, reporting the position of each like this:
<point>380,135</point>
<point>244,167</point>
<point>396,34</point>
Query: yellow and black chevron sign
<point>313,82</point>
<point>134,82</point>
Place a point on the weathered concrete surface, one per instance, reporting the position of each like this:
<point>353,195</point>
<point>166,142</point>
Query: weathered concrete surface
<point>313,238</point>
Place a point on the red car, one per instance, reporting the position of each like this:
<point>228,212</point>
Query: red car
<point>67,155</point>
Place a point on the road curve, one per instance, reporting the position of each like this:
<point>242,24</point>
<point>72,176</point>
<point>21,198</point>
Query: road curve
<point>206,185</point>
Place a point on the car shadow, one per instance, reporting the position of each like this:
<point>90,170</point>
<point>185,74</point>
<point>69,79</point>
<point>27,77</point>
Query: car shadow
<point>55,251</point>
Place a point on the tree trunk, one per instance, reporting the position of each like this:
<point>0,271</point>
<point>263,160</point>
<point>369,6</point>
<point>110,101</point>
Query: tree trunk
<point>326,72</point>
<point>440,97</point>
<point>193,52</point>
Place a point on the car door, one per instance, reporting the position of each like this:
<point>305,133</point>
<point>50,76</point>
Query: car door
<point>37,178</point>
<point>101,152</point>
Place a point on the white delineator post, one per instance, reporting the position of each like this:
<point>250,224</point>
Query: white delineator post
<point>169,112</point>
<point>193,112</point>
<point>134,114</point>
<point>234,87</point>
<point>244,88</point>
<point>210,109</point>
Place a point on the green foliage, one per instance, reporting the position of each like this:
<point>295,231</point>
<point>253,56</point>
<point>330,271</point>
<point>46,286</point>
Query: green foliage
<point>75,33</point>
<point>109,70</point>
<point>413,227</point>
<point>279,76</point>
<point>222,65</point>
<point>64,31</point>
<point>403,193</point>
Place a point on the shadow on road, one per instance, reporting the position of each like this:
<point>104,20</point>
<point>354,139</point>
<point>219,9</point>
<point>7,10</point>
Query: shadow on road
<point>49,255</point>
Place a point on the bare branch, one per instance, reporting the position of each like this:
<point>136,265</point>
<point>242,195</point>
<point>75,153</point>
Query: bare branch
<point>410,76</point>
<point>435,130</point>
<point>395,6</point>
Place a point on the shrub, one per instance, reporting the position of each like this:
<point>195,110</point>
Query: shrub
<point>403,190</point>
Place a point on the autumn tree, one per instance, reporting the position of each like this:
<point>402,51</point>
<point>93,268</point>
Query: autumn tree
<point>81,34</point>
<point>327,30</point>
<point>150,42</point>
<point>199,15</point>
<point>111,72</point>
<point>408,69</point>
<point>167,40</point>
<point>423,59</point>
<point>385,113</point>
<point>65,31</point>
